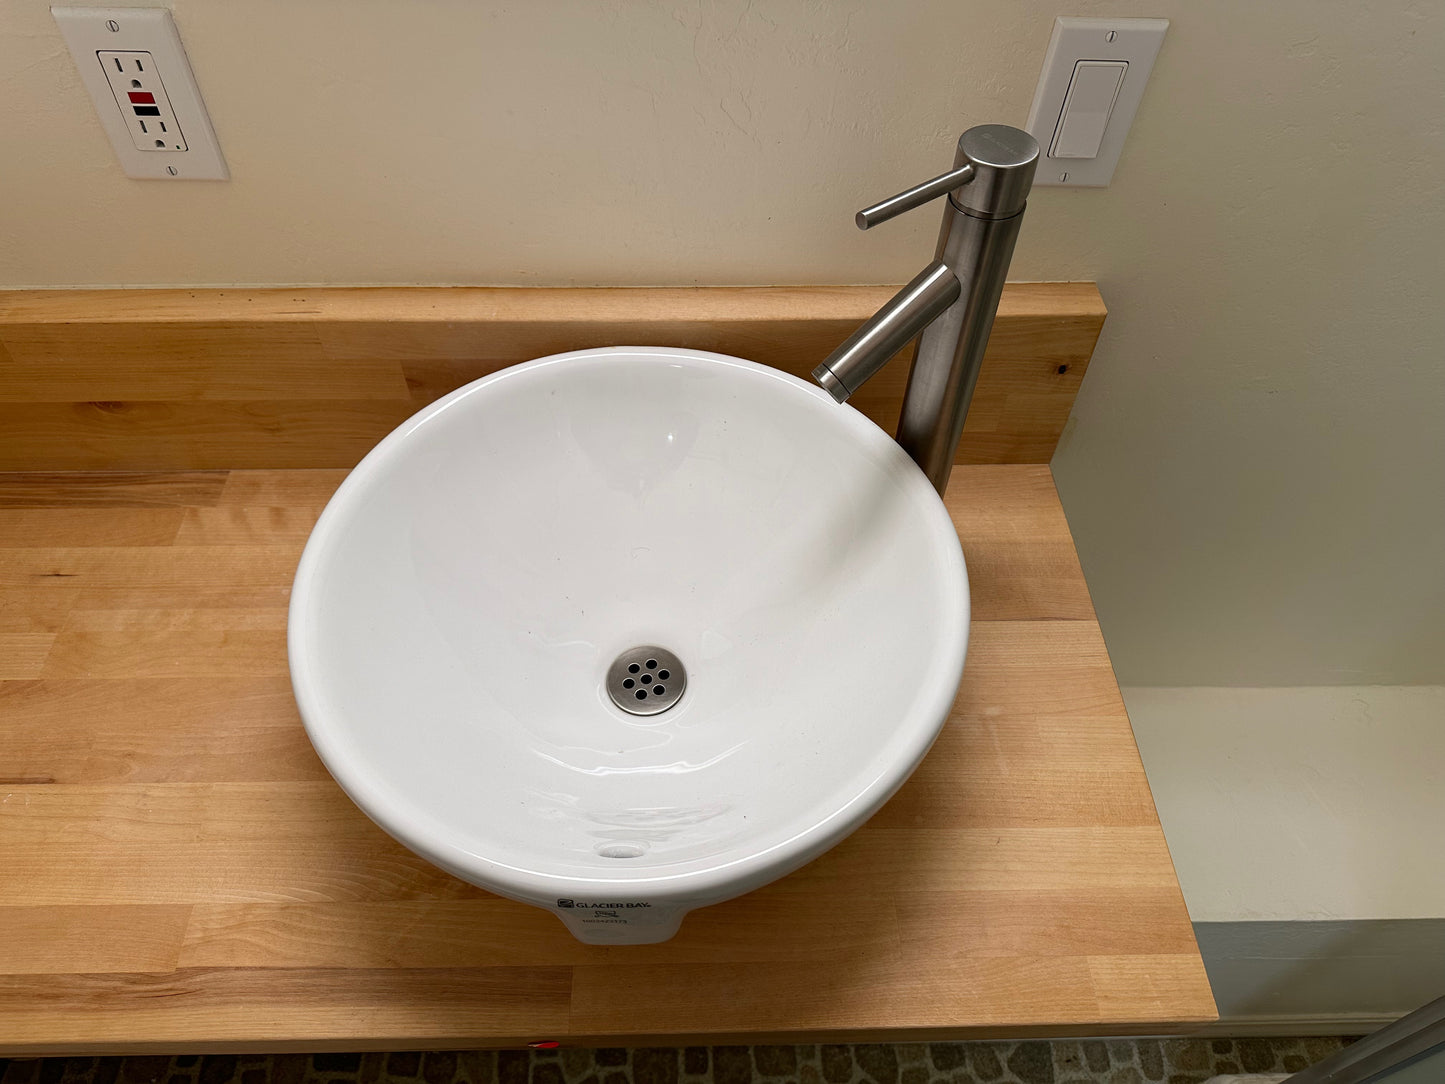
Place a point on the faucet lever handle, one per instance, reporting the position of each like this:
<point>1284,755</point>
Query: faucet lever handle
<point>916,196</point>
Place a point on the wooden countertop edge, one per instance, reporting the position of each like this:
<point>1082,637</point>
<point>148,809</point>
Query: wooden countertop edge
<point>446,304</point>
<point>1201,1025</point>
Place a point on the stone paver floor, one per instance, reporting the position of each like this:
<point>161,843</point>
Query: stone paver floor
<point>1087,1061</point>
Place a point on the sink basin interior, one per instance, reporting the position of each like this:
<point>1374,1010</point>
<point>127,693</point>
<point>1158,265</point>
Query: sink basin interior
<point>466,591</point>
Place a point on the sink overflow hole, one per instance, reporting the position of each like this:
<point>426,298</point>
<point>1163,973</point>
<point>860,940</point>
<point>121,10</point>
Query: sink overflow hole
<point>620,850</point>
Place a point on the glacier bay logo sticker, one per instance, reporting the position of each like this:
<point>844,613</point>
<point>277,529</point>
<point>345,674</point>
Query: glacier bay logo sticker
<point>604,906</point>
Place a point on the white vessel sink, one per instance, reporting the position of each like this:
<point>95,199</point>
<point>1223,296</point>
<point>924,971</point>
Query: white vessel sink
<point>468,588</point>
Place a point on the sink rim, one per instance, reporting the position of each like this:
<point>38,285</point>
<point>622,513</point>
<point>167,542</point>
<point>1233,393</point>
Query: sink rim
<point>721,878</point>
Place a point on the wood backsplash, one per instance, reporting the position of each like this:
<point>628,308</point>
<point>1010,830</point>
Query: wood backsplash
<point>277,378</point>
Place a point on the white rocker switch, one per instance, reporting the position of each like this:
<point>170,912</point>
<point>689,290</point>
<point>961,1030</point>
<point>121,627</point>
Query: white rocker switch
<point>1090,87</point>
<point>1087,106</point>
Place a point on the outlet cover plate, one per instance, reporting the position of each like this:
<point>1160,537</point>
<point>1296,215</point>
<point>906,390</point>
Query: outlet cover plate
<point>90,32</point>
<point>1135,41</point>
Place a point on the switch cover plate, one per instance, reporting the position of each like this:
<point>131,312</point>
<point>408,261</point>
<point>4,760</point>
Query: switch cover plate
<point>1081,54</point>
<point>133,64</point>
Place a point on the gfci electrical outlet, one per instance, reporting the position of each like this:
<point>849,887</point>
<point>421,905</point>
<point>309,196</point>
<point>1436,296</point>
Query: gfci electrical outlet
<point>143,101</point>
<point>132,62</point>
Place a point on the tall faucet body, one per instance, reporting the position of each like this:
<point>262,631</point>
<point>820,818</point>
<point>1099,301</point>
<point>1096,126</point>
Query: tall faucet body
<point>950,305</point>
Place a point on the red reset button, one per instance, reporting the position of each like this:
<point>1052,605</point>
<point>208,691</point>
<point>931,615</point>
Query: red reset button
<point>142,97</point>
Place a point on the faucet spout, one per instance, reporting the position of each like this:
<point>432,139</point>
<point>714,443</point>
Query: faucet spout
<point>889,330</point>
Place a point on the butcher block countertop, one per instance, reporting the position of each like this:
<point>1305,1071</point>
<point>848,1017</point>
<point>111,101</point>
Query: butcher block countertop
<point>178,871</point>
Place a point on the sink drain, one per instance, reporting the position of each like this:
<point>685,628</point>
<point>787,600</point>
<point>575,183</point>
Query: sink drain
<point>646,680</point>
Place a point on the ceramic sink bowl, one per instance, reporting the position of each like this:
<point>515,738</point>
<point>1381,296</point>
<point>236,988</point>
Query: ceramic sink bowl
<point>481,589</point>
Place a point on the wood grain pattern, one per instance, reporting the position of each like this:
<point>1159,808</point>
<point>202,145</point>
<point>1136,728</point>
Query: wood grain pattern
<point>111,938</point>
<point>841,994</point>
<point>154,730</point>
<point>427,933</point>
<point>309,1008</point>
<point>178,871</point>
<point>185,379</point>
<point>87,526</point>
<point>23,654</point>
<point>138,362</point>
<point>112,489</point>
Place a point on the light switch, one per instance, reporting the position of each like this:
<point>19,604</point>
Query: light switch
<point>1092,93</point>
<point>1092,81</point>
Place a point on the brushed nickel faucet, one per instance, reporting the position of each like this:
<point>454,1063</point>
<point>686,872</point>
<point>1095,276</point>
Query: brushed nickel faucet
<point>952,302</point>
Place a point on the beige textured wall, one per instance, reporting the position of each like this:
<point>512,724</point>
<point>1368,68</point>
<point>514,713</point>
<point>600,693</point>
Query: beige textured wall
<point>1306,803</point>
<point>1256,466</point>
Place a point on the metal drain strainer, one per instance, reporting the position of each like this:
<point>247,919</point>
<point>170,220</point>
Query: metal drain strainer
<point>646,680</point>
